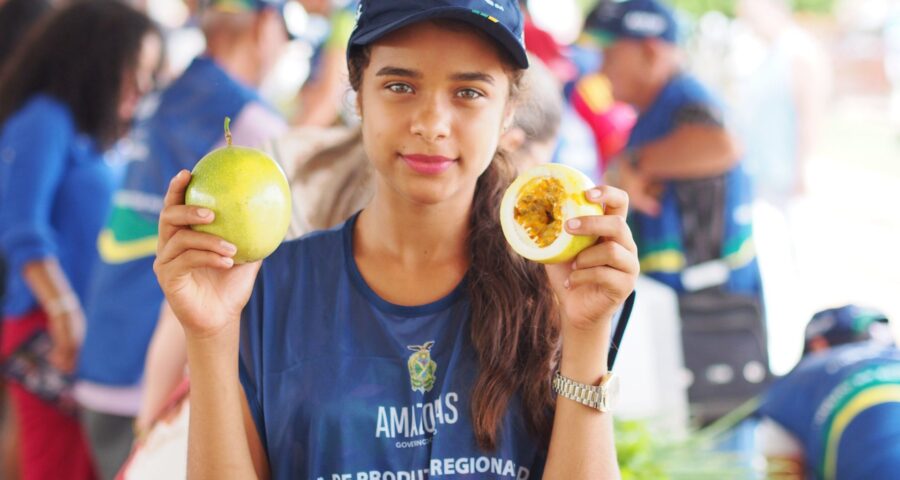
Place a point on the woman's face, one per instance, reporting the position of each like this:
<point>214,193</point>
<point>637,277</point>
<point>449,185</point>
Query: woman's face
<point>139,81</point>
<point>433,102</point>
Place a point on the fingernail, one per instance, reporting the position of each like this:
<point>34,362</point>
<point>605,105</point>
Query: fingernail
<point>574,223</point>
<point>575,265</point>
<point>229,247</point>
<point>566,284</point>
<point>203,212</point>
<point>594,194</point>
<point>227,261</point>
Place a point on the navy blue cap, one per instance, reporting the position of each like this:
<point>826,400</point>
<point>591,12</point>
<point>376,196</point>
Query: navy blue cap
<point>633,19</point>
<point>500,19</point>
<point>841,325</point>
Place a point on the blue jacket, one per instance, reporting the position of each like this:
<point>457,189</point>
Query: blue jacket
<point>55,190</point>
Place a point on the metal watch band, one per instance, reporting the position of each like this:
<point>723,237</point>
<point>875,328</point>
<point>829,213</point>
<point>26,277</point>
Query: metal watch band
<point>589,395</point>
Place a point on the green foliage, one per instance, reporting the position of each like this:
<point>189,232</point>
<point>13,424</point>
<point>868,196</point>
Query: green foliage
<point>644,455</point>
<point>699,7</point>
<point>817,6</point>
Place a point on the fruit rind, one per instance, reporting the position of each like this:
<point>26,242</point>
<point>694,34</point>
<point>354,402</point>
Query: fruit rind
<point>567,246</point>
<point>262,215</point>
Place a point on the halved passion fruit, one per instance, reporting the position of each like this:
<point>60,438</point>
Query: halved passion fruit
<point>537,205</point>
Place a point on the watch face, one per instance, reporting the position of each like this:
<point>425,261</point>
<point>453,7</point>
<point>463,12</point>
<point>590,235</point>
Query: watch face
<point>612,392</point>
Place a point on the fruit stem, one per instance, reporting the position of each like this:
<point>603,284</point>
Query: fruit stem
<point>227,131</point>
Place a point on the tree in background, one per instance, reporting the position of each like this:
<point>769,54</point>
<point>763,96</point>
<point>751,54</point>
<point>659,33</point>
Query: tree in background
<point>699,7</point>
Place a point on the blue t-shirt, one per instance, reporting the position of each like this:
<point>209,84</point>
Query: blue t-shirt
<point>700,219</point>
<point>55,190</point>
<point>843,405</point>
<point>124,298</point>
<point>345,385</point>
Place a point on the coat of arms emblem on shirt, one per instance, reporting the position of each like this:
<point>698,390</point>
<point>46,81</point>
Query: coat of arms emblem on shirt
<point>421,367</point>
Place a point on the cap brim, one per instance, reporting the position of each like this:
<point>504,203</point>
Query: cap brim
<point>495,30</point>
<point>601,38</point>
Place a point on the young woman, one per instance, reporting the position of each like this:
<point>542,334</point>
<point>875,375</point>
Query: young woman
<point>66,95</point>
<point>409,342</point>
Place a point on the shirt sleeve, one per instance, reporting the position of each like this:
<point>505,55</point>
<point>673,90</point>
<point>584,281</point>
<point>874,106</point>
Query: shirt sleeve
<point>697,113</point>
<point>33,156</point>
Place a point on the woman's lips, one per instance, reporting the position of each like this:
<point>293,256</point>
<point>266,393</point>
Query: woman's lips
<point>428,164</point>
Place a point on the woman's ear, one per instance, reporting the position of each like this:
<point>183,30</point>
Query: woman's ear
<point>508,118</point>
<point>512,140</point>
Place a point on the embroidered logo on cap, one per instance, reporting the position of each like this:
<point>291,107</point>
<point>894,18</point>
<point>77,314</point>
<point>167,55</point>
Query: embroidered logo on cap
<point>645,23</point>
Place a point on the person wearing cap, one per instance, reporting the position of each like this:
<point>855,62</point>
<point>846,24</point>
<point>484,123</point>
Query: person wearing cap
<point>408,342</point>
<point>331,179</point>
<point>181,125</point>
<point>681,166</point>
<point>836,415</point>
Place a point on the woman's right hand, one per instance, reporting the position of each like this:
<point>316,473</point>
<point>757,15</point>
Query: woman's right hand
<point>195,270</point>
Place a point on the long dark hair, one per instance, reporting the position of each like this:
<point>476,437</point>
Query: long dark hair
<point>16,18</point>
<point>78,55</point>
<point>515,319</point>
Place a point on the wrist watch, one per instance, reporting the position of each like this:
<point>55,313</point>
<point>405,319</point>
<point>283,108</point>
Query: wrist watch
<point>601,397</point>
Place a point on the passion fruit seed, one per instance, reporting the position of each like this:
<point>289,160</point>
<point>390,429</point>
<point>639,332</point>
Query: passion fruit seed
<point>539,210</point>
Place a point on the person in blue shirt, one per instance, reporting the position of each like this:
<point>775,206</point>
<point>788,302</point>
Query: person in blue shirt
<point>66,96</point>
<point>243,37</point>
<point>836,415</point>
<point>409,342</point>
<point>681,167</point>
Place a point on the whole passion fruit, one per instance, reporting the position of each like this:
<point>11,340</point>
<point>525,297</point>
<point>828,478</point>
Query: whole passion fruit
<point>249,194</point>
<point>535,208</point>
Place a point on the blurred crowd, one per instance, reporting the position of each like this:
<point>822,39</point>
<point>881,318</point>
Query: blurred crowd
<point>102,102</point>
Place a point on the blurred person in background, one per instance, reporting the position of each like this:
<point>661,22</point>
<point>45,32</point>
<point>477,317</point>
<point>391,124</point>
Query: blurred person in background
<point>782,101</point>
<point>610,121</point>
<point>66,96</point>
<point>16,19</point>
<point>331,179</point>
<point>321,97</point>
<point>243,40</point>
<point>836,415</point>
<point>681,169</point>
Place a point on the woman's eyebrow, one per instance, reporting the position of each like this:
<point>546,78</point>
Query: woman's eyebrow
<point>472,77</point>
<point>398,72</point>
<point>458,77</point>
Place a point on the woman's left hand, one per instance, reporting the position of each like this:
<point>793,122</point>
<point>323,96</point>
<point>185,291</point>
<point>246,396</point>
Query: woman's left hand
<point>592,287</point>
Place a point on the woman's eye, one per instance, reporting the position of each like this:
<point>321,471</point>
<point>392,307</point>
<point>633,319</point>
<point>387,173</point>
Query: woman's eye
<point>400,88</point>
<point>469,93</point>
